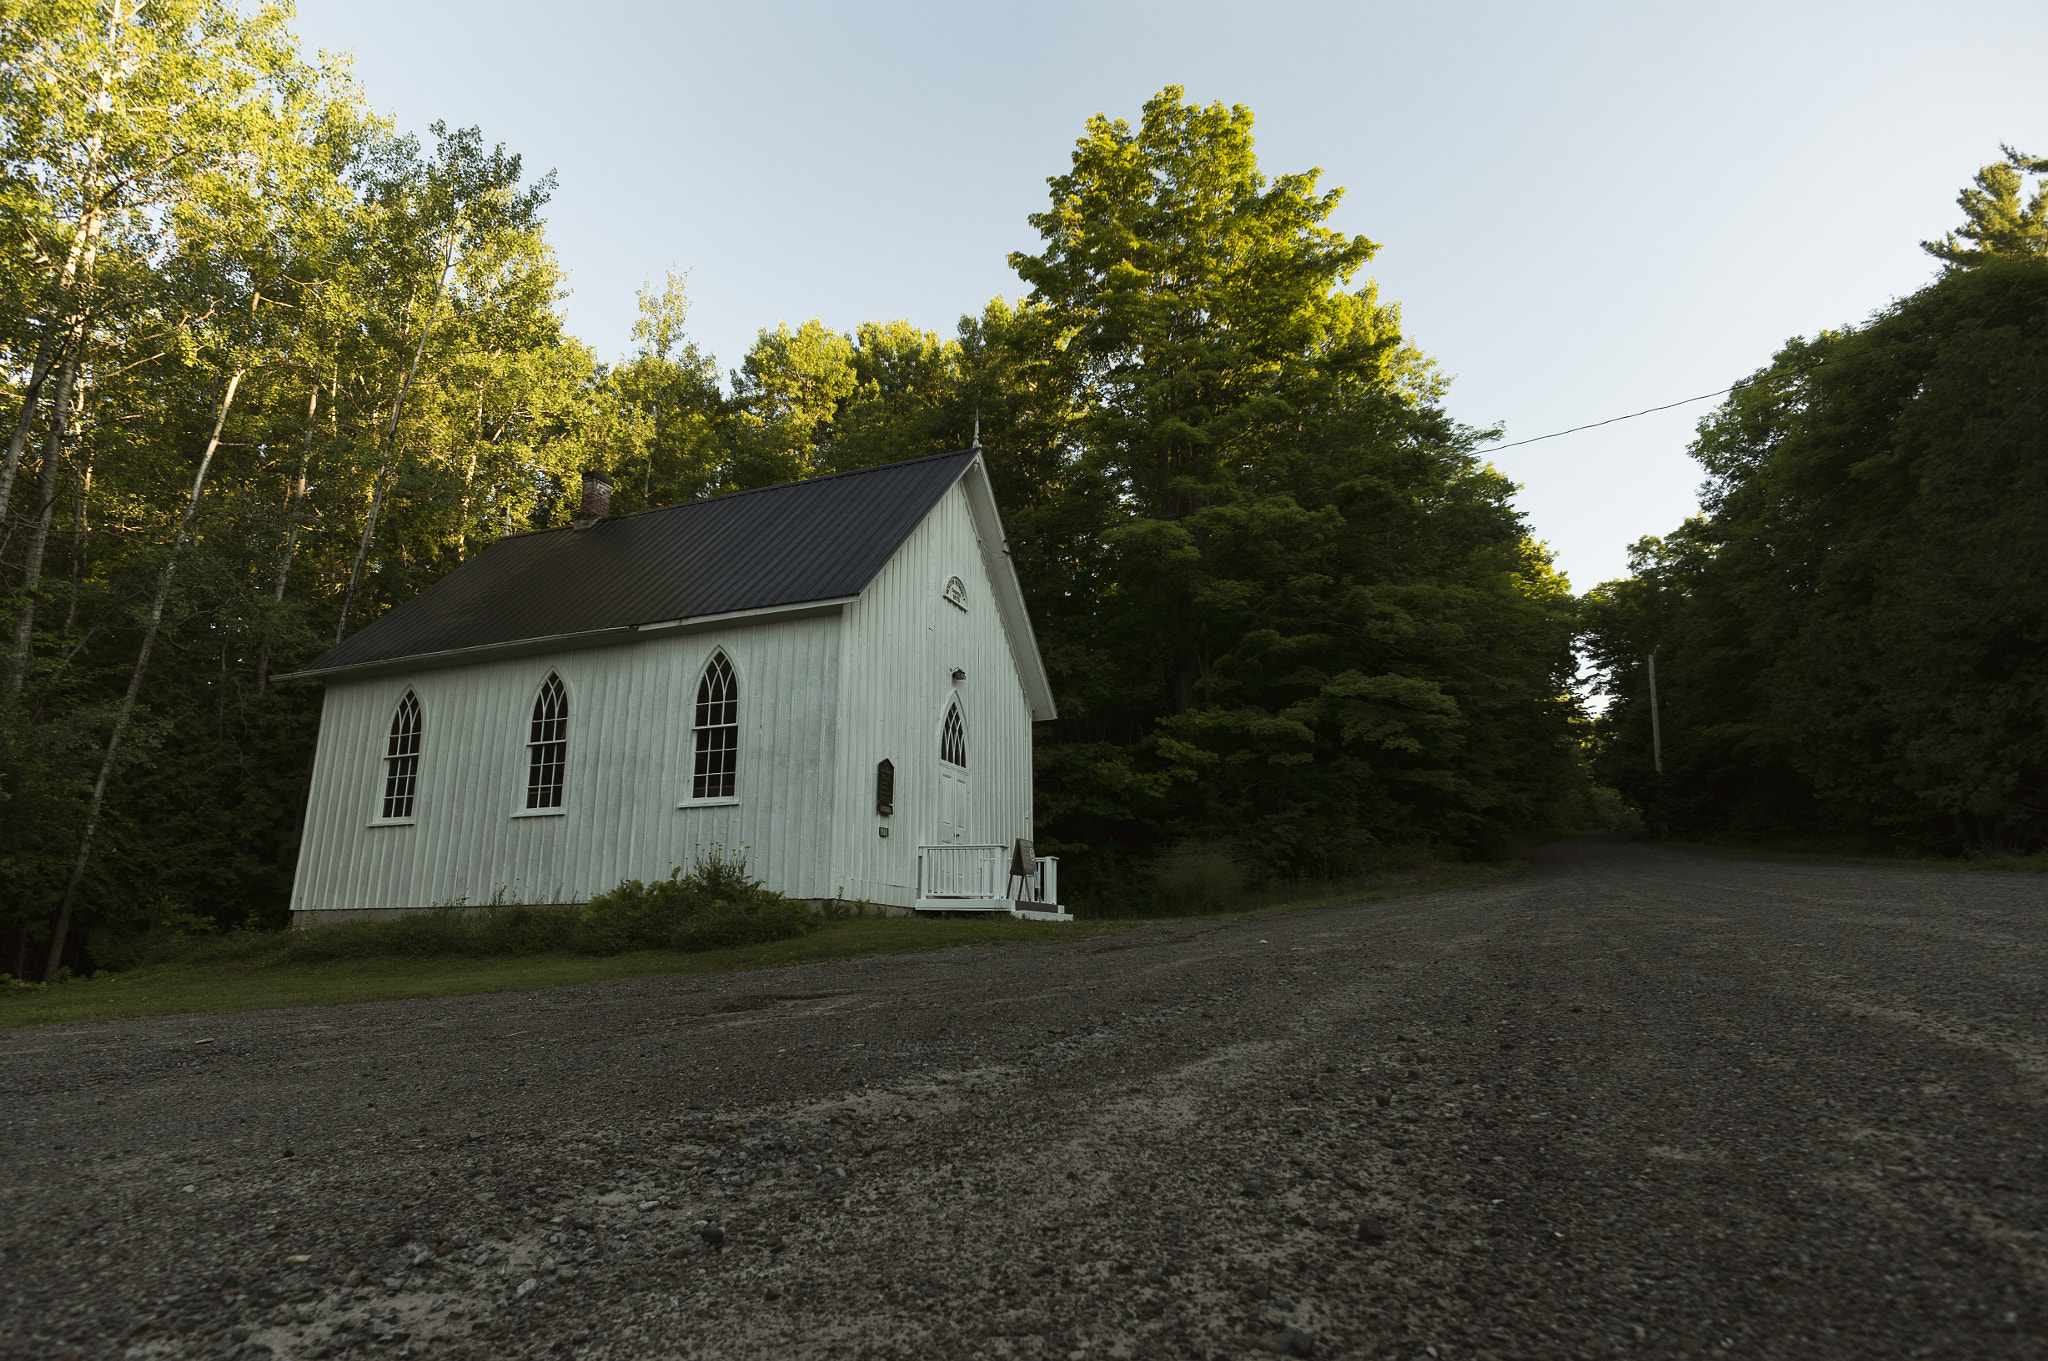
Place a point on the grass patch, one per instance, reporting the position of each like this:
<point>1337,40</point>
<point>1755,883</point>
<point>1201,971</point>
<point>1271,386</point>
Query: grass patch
<point>443,955</point>
<point>1822,853</point>
<point>246,979</point>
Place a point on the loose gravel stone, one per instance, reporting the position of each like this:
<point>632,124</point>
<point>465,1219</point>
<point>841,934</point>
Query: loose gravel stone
<point>1636,1102</point>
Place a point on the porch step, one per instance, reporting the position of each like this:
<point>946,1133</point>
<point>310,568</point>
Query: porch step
<point>1021,907</point>
<point>1040,912</point>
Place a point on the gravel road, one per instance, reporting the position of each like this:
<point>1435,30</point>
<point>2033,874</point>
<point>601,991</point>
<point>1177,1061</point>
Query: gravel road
<point>1633,1102</point>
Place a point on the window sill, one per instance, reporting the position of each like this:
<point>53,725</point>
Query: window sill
<point>540,812</point>
<point>710,803</point>
<point>391,822</point>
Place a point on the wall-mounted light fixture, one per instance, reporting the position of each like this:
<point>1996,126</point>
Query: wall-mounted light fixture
<point>958,675</point>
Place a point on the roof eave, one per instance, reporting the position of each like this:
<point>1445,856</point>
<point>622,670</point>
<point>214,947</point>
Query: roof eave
<point>574,642</point>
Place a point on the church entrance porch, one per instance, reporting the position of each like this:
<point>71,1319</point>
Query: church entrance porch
<point>964,878</point>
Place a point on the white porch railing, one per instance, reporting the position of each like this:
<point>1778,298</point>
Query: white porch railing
<point>955,871</point>
<point>979,875</point>
<point>1045,887</point>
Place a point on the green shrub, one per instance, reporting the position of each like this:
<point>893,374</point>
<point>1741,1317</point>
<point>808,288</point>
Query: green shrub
<point>716,905</point>
<point>517,930</point>
<point>633,916</point>
<point>726,924</point>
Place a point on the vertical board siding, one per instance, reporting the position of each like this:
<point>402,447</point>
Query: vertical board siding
<point>902,642</point>
<point>630,761</point>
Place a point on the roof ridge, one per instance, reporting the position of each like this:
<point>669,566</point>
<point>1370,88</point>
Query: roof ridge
<point>746,491</point>
<point>784,486</point>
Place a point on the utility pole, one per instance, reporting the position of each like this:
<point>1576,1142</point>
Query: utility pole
<point>1656,728</point>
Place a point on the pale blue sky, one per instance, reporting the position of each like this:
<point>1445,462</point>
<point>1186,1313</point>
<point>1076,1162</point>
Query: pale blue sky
<point>1584,209</point>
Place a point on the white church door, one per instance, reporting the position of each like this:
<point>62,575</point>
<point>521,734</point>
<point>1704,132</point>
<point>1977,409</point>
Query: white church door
<point>952,778</point>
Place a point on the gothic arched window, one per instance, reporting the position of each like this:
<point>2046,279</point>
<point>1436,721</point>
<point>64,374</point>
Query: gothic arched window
<point>547,745</point>
<point>402,759</point>
<point>953,737</point>
<point>718,731</point>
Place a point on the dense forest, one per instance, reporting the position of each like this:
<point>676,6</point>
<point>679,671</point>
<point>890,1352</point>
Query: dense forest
<point>271,368</point>
<point>1851,641</point>
<point>268,368</point>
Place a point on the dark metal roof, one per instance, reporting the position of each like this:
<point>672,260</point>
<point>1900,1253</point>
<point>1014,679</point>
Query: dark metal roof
<point>822,539</point>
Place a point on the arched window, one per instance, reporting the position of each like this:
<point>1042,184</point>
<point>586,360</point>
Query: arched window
<point>953,737</point>
<point>718,731</point>
<point>547,746</point>
<point>402,759</point>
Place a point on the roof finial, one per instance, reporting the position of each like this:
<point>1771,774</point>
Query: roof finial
<point>977,427</point>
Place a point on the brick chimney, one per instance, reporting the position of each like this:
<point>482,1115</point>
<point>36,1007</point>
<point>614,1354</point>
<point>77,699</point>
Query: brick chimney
<point>597,499</point>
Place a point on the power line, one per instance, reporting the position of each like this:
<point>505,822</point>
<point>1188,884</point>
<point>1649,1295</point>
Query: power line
<point>1595,425</point>
<point>1785,371</point>
<point>1774,372</point>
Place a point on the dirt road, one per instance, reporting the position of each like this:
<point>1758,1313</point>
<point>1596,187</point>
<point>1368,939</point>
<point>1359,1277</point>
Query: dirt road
<point>1635,1102</point>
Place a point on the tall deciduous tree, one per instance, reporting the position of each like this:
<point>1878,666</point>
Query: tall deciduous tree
<point>1286,607</point>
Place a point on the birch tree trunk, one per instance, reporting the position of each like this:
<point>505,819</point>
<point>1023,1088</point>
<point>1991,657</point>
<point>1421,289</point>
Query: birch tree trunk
<point>127,710</point>
<point>355,574</point>
<point>39,535</point>
<point>291,533</point>
<point>17,445</point>
<point>82,494</point>
<point>469,481</point>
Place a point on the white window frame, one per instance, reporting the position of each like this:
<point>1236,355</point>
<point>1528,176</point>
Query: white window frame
<point>419,752</point>
<point>691,753</point>
<point>560,808</point>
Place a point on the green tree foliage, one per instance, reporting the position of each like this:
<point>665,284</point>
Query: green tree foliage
<point>788,392</point>
<point>1998,223</point>
<point>1285,605</point>
<point>813,400</point>
<point>659,420</point>
<point>1850,639</point>
<point>267,371</point>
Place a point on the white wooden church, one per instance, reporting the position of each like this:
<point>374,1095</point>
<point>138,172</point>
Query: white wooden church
<point>834,678</point>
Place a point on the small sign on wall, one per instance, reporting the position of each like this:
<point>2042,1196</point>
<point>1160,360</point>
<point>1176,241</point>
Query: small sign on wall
<point>956,592</point>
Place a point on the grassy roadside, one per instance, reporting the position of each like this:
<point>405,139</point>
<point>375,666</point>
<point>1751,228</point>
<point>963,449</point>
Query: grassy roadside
<point>1822,855</point>
<point>257,982</point>
<point>252,982</point>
